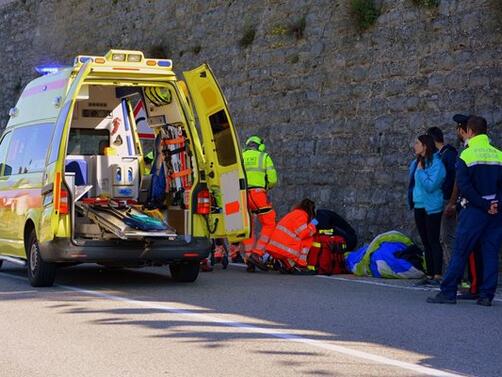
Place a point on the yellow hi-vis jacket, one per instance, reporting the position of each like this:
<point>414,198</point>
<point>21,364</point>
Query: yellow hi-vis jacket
<point>260,171</point>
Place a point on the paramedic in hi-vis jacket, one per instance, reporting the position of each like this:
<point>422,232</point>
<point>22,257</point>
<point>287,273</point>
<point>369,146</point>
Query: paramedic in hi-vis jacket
<point>479,181</point>
<point>261,176</point>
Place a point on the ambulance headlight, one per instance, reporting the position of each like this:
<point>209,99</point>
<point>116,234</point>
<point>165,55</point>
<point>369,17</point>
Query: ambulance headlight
<point>118,57</point>
<point>134,58</point>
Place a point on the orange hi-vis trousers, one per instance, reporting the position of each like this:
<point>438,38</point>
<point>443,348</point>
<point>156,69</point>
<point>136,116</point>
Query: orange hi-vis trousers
<point>261,209</point>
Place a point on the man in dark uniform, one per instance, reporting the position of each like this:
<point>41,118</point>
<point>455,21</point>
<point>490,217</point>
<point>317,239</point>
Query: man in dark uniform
<point>479,181</point>
<point>475,261</point>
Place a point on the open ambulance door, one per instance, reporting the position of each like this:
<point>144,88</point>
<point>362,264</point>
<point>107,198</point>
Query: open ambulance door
<point>54,188</point>
<point>224,169</point>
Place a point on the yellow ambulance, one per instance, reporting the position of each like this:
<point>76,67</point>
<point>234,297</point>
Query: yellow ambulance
<point>73,183</point>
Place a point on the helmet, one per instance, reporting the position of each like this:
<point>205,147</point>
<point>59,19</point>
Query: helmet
<point>158,96</point>
<point>256,140</point>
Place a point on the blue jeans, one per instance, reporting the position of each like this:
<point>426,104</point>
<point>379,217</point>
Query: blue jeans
<point>475,225</point>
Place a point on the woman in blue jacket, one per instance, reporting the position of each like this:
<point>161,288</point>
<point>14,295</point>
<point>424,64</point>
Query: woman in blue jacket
<point>427,174</point>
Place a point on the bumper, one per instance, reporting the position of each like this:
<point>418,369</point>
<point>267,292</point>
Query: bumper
<point>134,252</point>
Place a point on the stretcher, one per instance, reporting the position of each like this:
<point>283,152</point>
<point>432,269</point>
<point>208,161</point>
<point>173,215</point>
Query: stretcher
<point>124,221</point>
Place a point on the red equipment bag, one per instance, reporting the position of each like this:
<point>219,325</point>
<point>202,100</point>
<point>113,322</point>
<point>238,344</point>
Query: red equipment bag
<point>326,254</point>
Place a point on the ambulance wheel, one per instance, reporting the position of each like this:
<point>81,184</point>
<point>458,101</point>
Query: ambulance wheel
<point>40,273</point>
<point>224,262</point>
<point>185,272</point>
<point>1,262</point>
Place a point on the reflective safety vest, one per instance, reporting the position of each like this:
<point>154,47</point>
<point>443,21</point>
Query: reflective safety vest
<point>289,234</point>
<point>479,169</point>
<point>260,171</point>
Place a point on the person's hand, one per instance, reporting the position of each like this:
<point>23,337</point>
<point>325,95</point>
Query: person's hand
<point>494,207</point>
<point>450,210</point>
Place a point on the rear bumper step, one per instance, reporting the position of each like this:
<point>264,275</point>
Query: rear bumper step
<point>154,250</point>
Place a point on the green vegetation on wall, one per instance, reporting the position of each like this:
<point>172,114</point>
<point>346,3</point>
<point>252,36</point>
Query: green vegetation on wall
<point>364,12</point>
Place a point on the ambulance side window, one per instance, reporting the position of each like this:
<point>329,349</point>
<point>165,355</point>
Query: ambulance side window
<point>28,149</point>
<point>223,140</point>
<point>4,144</point>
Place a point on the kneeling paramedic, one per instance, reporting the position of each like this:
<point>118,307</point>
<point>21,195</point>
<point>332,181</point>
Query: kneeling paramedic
<point>479,180</point>
<point>292,239</point>
<point>261,176</point>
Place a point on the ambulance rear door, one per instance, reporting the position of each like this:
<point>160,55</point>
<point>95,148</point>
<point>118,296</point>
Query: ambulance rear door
<point>55,196</point>
<point>224,169</point>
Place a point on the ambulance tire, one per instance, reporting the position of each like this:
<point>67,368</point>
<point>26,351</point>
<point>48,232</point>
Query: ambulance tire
<point>185,272</point>
<point>40,273</point>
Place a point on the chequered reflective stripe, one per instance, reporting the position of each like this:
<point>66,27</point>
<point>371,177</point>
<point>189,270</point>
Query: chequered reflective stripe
<point>287,231</point>
<point>305,251</point>
<point>492,163</point>
<point>284,247</point>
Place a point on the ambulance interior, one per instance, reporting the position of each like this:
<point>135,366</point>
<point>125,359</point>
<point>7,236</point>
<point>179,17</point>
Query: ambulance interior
<point>104,167</point>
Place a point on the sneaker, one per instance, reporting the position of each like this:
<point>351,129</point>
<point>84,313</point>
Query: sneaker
<point>255,260</point>
<point>467,296</point>
<point>441,298</point>
<point>424,281</point>
<point>434,282</point>
<point>484,301</point>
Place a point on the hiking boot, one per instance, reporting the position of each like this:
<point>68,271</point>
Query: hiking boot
<point>484,301</point>
<point>441,298</point>
<point>302,271</point>
<point>255,260</point>
<point>467,296</point>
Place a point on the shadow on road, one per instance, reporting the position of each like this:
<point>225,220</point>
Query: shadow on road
<point>357,316</point>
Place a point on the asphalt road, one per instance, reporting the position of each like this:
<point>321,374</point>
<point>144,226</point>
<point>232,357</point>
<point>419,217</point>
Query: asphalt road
<point>97,322</point>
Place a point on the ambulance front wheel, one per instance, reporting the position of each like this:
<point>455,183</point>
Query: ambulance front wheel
<point>40,273</point>
<point>185,272</point>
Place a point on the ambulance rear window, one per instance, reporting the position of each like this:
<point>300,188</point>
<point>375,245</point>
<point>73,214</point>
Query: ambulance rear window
<point>88,142</point>
<point>225,147</point>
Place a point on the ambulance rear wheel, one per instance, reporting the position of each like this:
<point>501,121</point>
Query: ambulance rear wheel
<point>185,272</point>
<point>40,273</point>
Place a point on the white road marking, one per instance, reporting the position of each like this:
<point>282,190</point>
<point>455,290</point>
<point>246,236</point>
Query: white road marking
<point>17,292</point>
<point>261,330</point>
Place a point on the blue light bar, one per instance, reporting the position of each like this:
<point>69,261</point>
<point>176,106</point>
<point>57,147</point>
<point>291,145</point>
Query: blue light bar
<point>85,59</point>
<point>164,63</point>
<point>47,69</point>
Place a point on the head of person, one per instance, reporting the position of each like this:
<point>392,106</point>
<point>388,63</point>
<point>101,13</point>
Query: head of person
<point>255,142</point>
<point>308,206</point>
<point>476,126</point>
<point>461,121</point>
<point>425,148</point>
<point>437,136</point>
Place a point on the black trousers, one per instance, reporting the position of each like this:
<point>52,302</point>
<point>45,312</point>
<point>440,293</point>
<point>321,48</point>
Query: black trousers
<point>429,228</point>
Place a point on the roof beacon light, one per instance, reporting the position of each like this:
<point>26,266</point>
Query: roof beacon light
<point>134,58</point>
<point>48,69</point>
<point>164,63</point>
<point>118,57</point>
